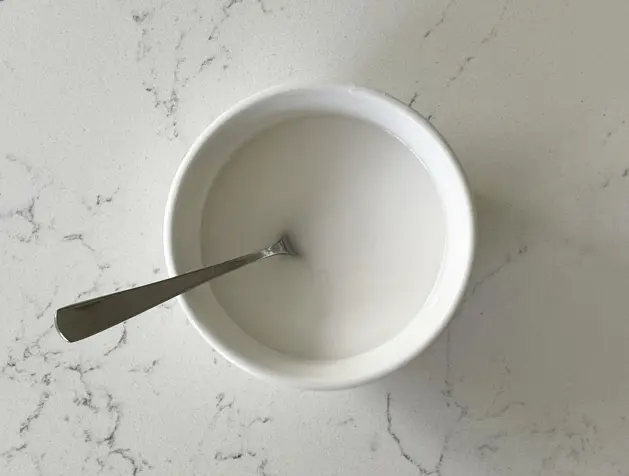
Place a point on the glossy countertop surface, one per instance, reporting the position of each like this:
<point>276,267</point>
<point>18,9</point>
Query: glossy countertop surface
<point>99,101</point>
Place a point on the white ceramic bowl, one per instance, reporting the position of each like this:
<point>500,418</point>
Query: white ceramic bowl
<point>182,230</point>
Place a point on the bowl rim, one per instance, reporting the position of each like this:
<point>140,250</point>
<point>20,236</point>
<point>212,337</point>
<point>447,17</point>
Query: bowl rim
<point>264,372</point>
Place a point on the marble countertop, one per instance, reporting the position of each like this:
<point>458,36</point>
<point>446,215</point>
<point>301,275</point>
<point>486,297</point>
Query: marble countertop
<point>99,100</point>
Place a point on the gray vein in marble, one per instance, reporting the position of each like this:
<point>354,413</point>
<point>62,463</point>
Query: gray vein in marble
<point>34,348</point>
<point>78,237</point>
<point>441,20</point>
<point>120,286</point>
<point>493,32</point>
<point>25,426</point>
<point>121,341</point>
<point>483,279</point>
<point>607,182</point>
<point>103,199</point>
<point>214,32</point>
<point>137,465</point>
<point>170,103</point>
<point>142,16</point>
<point>346,422</point>
<point>462,67</point>
<point>99,201</point>
<point>226,10</point>
<point>572,445</point>
<point>7,64</point>
<point>142,49</point>
<point>27,213</point>
<point>494,29</point>
<point>9,454</point>
<point>261,469</point>
<point>10,368</point>
<point>46,379</point>
<point>485,449</point>
<point>398,442</point>
<point>374,443</point>
<point>206,62</point>
<point>17,368</point>
<point>261,420</point>
<point>221,406</point>
<point>94,287</point>
<point>411,104</point>
<point>447,380</point>
<point>219,456</point>
<point>413,99</point>
<point>224,406</point>
<point>178,83</point>
<point>147,369</point>
<point>87,436</point>
<point>447,392</point>
<point>102,267</point>
<point>37,463</point>
<point>263,6</point>
<point>503,410</point>
<point>230,3</point>
<point>23,163</point>
<point>46,307</point>
<point>113,407</point>
<point>87,400</point>
<point>615,130</point>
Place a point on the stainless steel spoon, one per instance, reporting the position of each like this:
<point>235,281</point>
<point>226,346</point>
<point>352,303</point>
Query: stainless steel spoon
<point>84,319</point>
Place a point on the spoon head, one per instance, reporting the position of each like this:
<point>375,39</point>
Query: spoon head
<point>287,246</point>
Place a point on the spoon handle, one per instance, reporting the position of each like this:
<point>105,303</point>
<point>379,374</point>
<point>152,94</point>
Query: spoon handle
<point>84,319</point>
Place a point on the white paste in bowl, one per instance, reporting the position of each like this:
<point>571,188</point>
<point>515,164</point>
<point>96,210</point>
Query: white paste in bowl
<point>365,215</point>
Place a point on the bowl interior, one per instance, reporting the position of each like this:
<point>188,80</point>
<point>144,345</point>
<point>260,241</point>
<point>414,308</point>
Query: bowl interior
<point>233,129</point>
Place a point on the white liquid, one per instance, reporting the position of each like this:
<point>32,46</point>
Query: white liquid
<point>365,216</point>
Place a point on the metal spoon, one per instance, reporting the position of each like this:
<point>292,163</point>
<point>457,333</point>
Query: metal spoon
<point>84,319</point>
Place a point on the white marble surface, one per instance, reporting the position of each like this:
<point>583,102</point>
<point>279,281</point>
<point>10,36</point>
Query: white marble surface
<point>99,100</point>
